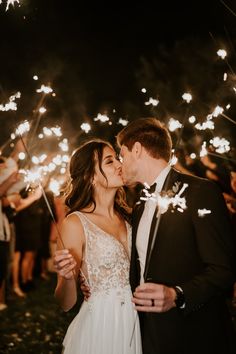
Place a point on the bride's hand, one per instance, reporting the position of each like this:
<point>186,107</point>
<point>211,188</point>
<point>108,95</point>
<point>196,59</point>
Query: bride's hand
<point>64,264</point>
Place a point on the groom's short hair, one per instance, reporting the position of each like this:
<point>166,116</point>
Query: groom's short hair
<point>151,134</point>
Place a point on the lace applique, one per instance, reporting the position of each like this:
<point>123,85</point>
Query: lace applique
<point>105,259</point>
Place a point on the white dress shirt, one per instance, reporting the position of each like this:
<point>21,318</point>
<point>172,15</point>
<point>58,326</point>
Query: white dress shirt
<point>146,220</point>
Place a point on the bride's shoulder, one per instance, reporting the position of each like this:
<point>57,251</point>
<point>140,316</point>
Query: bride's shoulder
<point>72,220</point>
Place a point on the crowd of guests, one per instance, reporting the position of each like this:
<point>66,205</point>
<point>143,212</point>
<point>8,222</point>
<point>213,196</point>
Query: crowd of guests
<point>27,232</point>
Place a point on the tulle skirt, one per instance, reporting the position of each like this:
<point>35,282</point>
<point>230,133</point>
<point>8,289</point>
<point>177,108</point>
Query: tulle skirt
<point>105,325</point>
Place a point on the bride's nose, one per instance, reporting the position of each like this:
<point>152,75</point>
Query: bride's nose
<point>118,164</point>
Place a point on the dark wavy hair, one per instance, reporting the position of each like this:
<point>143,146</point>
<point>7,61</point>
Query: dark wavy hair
<point>80,189</point>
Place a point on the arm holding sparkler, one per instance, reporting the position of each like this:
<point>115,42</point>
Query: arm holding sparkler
<point>67,261</point>
<point>11,180</point>
<point>31,198</point>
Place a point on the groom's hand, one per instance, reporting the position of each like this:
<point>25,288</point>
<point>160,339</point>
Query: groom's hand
<point>151,297</point>
<point>84,286</point>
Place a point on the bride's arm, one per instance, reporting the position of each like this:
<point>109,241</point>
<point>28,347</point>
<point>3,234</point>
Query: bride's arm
<point>67,261</point>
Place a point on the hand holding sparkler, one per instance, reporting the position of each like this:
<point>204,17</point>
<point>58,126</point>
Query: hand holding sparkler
<point>150,297</point>
<point>64,264</point>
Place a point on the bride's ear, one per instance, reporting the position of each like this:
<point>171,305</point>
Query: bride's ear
<point>94,181</point>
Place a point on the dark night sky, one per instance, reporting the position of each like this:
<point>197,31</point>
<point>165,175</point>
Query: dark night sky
<point>98,56</point>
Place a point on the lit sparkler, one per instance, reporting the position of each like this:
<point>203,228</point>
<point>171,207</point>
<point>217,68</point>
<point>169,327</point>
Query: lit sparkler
<point>203,212</point>
<point>102,117</point>
<point>11,105</point>
<point>209,124</point>
<point>45,89</point>
<point>165,199</point>
<point>221,144</point>
<point>54,186</point>
<point>64,145</point>
<point>203,151</point>
<point>123,122</point>
<point>22,128</point>
<point>86,127</point>
<point>222,53</point>
<point>11,2</point>
<point>187,97</point>
<point>174,124</point>
<point>192,119</point>
<point>42,110</point>
<point>152,101</point>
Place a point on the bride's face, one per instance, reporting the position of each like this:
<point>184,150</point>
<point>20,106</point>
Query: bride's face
<point>111,168</point>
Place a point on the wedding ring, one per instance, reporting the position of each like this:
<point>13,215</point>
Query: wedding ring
<point>153,302</point>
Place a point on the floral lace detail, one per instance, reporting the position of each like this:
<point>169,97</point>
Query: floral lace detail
<point>105,260</point>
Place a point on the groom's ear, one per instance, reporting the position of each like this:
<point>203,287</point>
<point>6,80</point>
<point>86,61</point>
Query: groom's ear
<point>137,149</point>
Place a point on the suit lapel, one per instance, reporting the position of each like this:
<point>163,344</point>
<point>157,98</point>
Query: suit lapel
<point>134,262</point>
<point>171,178</point>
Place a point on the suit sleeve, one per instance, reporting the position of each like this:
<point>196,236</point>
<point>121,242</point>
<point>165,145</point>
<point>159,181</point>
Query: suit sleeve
<point>214,241</point>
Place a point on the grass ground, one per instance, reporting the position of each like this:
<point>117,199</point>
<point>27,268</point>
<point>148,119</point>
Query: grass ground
<point>37,324</point>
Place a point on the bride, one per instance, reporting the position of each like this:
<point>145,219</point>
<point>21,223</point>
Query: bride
<point>96,240</point>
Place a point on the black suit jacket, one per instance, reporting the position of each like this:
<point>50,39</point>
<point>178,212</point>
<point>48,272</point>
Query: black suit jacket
<point>196,253</point>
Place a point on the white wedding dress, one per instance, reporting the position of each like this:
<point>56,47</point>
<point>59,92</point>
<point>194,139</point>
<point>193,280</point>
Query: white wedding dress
<point>105,323</point>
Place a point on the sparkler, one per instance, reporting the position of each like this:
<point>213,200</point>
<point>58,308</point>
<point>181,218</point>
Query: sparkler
<point>86,127</point>
<point>123,122</point>
<point>174,124</point>
<point>222,53</point>
<point>152,101</point>
<point>102,118</point>
<point>187,97</point>
<point>11,105</point>
<point>11,2</point>
<point>45,89</point>
<point>192,119</point>
<point>203,212</point>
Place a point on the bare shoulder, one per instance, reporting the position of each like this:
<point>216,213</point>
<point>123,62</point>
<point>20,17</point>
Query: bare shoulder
<point>72,228</point>
<point>72,220</point>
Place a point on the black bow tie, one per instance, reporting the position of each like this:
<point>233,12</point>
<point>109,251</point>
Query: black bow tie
<point>152,188</point>
<point>149,190</point>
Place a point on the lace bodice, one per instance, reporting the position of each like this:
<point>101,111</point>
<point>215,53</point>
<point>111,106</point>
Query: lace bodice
<point>106,261</point>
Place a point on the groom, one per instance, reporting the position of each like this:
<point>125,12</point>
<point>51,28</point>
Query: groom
<point>180,275</point>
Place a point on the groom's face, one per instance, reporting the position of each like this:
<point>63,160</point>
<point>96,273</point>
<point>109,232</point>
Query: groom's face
<point>129,166</point>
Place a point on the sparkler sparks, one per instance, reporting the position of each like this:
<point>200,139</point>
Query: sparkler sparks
<point>22,128</point>
<point>166,199</point>
<point>221,144</point>
<point>218,110</point>
<point>187,97</point>
<point>151,101</point>
<point>54,186</point>
<point>45,89</point>
<point>203,151</point>
<point>192,119</point>
<point>123,122</point>
<point>86,127</point>
<point>42,110</point>
<point>11,105</point>
<point>102,117</point>
<point>222,53</point>
<point>174,124</point>
<point>203,212</point>
<point>11,2</point>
